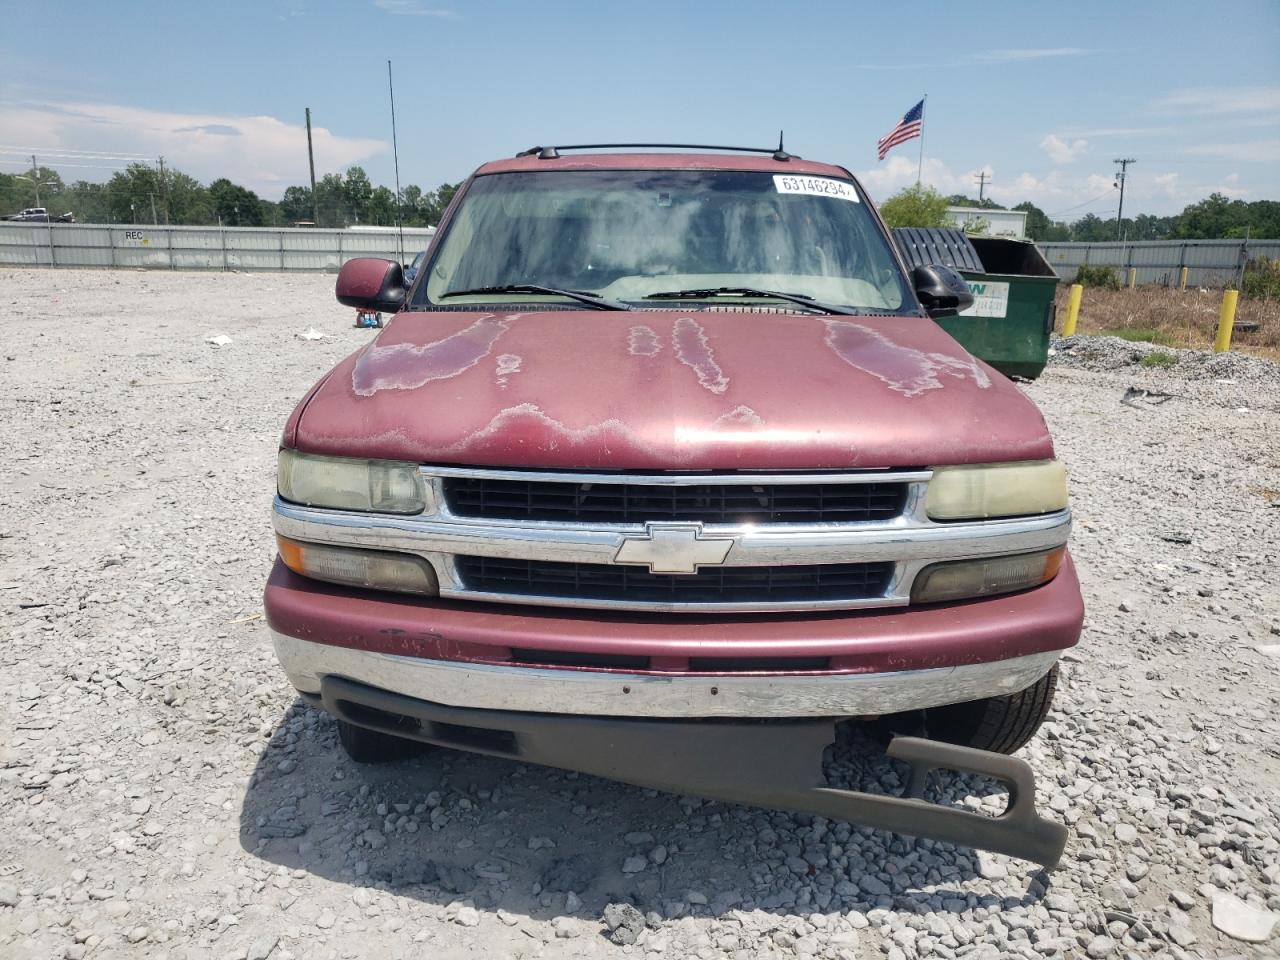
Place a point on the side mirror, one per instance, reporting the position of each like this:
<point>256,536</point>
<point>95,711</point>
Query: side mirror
<point>371,284</point>
<point>941,290</point>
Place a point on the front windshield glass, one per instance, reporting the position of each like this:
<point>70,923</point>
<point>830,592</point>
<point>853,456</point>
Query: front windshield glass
<point>632,234</point>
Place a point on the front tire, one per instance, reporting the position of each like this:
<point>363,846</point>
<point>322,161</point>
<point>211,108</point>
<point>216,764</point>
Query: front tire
<point>998,724</point>
<point>370,746</point>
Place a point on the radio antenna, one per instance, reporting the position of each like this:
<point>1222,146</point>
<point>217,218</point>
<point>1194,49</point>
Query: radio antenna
<point>395,152</point>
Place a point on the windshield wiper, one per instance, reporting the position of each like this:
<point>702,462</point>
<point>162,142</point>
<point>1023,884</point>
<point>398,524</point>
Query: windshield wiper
<point>590,299</point>
<point>798,298</point>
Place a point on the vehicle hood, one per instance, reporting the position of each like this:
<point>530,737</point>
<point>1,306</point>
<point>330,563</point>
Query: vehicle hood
<point>667,390</point>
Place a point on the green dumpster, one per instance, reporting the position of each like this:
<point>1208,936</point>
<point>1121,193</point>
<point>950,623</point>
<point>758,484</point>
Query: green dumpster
<point>1013,287</point>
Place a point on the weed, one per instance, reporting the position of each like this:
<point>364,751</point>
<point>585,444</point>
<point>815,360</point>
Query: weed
<point>1142,335</point>
<point>1158,358</point>
<point>1094,275</point>
<point>1262,279</point>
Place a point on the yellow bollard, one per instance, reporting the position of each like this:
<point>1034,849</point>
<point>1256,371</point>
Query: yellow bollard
<point>1182,280</point>
<point>1133,277</point>
<point>1073,310</point>
<point>1226,318</point>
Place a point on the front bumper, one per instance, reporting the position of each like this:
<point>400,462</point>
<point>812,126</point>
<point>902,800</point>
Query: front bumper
<point>1046,619</point>
<point>770,764</point>
<point>608,693</point>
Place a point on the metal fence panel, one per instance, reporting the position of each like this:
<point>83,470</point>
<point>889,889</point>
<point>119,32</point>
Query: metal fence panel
<point>1209,263</point>
<point>199,248</point>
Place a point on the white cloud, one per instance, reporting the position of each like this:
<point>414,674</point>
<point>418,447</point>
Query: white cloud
<point>1219,100</point>
<point>980,58</point>
<point>1062,151</point>
<point>1116,131</point>
<point>1259,151</point>
<point>1061,194</point>
<point>264,154</point>
<point>1167,183</point>
<point>414,8</point>
<point>1029,53</point>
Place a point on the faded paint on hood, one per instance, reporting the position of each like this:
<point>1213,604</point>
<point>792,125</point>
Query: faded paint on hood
<point>668,390</point>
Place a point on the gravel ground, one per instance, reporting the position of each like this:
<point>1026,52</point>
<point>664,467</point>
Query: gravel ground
<point>164,794</point>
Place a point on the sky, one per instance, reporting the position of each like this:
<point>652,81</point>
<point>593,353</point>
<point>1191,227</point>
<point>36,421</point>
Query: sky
<point>1041,97</point>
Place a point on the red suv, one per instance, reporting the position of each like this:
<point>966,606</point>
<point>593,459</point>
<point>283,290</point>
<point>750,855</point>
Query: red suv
<point>659,471</point>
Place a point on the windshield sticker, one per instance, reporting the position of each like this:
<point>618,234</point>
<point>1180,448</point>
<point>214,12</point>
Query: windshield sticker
<point>815,186</point>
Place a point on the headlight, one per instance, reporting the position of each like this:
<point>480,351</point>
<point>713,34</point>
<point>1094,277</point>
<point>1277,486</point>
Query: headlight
<point>996,490</point>
<point>376,486</point>
<point>966,579</point>
<point>374,569</point>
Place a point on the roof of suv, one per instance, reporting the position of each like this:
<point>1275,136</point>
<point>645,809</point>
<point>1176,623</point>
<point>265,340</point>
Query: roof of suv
<point>665,161</point>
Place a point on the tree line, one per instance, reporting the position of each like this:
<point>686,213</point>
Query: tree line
<point>1214,218</point>
<point>142,194</point>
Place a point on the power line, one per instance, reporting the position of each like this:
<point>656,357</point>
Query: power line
<point>73,154</point>
<point>1079,205</point>
<point>59,163</point>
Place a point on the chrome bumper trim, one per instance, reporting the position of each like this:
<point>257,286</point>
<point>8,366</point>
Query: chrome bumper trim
<point>599,693</point>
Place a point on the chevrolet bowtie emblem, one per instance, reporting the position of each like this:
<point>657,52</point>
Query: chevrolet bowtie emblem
<point>674,548</point>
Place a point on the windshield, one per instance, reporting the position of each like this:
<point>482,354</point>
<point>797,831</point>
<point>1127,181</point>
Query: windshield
<point>629,235</point>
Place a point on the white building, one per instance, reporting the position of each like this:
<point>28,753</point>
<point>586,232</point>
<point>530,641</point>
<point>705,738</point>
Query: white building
<point>998,223</point>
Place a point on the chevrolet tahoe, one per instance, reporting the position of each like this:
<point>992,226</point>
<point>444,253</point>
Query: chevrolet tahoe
<point>662,469</point>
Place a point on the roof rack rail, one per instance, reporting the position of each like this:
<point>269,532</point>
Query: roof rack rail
<point>553,152</point>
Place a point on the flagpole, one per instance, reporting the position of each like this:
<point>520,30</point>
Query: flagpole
<point>920,166</point>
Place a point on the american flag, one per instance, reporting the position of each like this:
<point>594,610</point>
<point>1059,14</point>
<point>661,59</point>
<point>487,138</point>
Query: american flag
<point>908,128</point>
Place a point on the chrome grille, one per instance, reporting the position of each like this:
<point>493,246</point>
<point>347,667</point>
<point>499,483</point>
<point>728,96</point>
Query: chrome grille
<point>618,501</point>
<point>602,581</point>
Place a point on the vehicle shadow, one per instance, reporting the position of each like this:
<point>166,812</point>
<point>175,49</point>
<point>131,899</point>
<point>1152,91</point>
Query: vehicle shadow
<point>541,843</point>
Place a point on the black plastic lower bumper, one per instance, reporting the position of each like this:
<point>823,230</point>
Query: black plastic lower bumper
<point>774,764</point>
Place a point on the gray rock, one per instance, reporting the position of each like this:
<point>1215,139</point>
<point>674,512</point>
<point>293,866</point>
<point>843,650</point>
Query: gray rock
<point>623,921</point>
<point>1180,933</point>
<point>1100,947</point>
<point>454,878</point>
<point>8,895</point>
<point>569,873</point>
<point>634,864</point>
<point>1238,920</point>
<point>261,948</point>
<point>467,916</point>
<point>873,885</point>
<point>989,868</point>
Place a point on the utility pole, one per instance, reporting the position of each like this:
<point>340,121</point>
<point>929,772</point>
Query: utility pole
<point>982,179</point>
<point>164,195</point>
<point>36,182</point>
<point>154,221</point>
<point>1120,178</point>
<point>311,158</point>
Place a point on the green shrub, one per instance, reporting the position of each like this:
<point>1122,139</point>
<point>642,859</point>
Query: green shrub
<point>1158,358</point>
<point>1262,279</point>
<point>1096,275</point>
